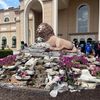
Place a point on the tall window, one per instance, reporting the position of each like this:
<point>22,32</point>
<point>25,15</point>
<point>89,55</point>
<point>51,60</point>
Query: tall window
<point>4,41</point>
<point>13,42</point>
<point>82,18</point>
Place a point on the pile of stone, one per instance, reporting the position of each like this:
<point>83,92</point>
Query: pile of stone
<point>33,67</point>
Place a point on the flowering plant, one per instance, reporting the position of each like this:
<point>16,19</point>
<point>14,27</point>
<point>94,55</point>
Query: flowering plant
<point>73,61</point>
<point>67,63</point>
<point>7,60</point>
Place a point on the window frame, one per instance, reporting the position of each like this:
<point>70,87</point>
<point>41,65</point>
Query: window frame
<point>5,44</point>
<point>88,24</point>
<point>14,38</point>
<point>5,18</point>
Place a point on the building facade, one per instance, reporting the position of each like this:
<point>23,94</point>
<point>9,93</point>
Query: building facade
<point>69,18</point>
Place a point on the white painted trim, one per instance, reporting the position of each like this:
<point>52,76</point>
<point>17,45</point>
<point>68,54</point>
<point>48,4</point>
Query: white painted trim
<point>40,3</point>
<point>26,19</point>
<point>55,16</point>
<point>88,16</point>
<point>33,33</point>
<point>3,36</point>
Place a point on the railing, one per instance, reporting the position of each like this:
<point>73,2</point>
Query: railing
<point>93,35</point>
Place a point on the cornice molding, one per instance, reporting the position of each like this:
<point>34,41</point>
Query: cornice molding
<point>7,31</point>
<point>46,0</point>
<point>7,23</point>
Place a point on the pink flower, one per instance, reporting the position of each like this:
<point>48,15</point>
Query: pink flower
<point>94,69</point>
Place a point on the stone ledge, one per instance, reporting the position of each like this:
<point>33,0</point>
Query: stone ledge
<point>16,93</point>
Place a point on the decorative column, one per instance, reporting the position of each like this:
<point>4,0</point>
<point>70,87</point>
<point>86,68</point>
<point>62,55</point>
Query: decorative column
<point>55,16</point>
<point>33,34</point>
<point>26,27</point>
<point>99,23</point>
<point>18,33</point>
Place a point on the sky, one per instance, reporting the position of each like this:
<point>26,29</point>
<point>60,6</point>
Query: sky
<point>5,4</point>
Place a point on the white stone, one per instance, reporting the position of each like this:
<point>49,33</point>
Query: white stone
<point>9,67</point>
<point>62,72</point>
<point>76,70</point>
<point>86,76</point>
<point>63,87</point>
<point>29,72</point>
<point>48,64</point>
<point>32,61</point>
<point>25,78</point>
<point>53,93</point>
<point>88,85</point>
<point>51,72</point>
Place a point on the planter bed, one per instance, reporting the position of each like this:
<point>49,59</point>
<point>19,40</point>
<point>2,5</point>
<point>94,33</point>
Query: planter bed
<point>44,77</point>
<point>17,93</point>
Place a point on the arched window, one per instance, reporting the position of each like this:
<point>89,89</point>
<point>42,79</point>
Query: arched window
<point>6,19</point>
<point>82,18</point>
<point>4,42</point>
<point>89,40</point>
<point>15,19</point>
<point>14,42</point>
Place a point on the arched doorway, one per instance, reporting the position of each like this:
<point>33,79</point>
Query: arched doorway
<point>32,18</point>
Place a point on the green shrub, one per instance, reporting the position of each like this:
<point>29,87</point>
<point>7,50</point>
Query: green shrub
<point>5,53</point>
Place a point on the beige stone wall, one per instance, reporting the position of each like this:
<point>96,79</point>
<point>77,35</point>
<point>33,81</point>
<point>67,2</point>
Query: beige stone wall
<point>8,36</point>
<point>67,17</point>
<point>62,23</point>
<point>93,21</point>
<point>94,16</point>
<point>7,13</point>
<point>22,25</point>
<point>7,29</point>
<point>48,12</point>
